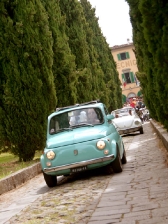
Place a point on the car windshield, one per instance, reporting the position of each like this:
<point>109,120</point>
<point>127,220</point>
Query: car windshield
<point>66,121</point>
<point>123,112</point>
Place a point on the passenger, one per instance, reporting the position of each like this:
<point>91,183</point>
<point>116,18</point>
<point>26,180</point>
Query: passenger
<point>82,116</point>
<point>92,116</point>
<point>130,112</point>
<point>74,120</point>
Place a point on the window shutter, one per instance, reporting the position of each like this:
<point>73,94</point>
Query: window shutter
<point>119,57</point>
<point>127,55</point>
<point>132,77</point>
<point>123,78</point>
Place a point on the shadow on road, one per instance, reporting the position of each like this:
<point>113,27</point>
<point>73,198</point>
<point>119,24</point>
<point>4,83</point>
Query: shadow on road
<point>85,175</point>
<point>42,190</point>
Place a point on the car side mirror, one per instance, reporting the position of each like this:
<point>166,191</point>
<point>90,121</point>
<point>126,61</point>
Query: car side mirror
<point>110,117</point>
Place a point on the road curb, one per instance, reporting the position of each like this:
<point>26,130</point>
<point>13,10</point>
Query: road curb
<point>161,132</point>
<point>14,180</point>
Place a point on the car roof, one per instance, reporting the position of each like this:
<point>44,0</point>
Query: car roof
<point>95,103</point>
<point>78,105</point>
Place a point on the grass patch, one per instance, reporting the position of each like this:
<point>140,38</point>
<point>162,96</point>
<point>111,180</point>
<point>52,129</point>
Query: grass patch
<point>10,164</point>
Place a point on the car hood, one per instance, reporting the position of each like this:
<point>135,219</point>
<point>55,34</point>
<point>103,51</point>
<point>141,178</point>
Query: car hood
<point>124,122</point>
<point>77,135</point>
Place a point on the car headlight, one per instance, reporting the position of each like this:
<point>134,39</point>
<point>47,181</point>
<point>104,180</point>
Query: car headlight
<point>50,155</point>
<point>137,122</point>
<point>101,144</point>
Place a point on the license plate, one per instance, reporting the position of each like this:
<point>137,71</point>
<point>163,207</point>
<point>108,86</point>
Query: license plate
<point>79,169</point>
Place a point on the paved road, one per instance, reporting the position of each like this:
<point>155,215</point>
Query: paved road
<point>137,195</point>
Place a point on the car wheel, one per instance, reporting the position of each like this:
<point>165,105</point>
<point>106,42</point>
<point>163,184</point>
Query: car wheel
<point>117,164</point>
<point>141,130</point>
<point>50,180</point>
<point>124,158</point>
<point>108,169</point>
<point>66,175</point>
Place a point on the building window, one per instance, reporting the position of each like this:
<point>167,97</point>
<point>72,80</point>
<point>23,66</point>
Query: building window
<point>128,77</point>
<point>123,56</point>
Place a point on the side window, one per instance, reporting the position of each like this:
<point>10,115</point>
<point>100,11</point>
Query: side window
<point>123,56</point>
<point>54,125</point>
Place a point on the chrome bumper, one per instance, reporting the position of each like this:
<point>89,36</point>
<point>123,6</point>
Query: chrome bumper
<point>126,131</point>
<point>75,165</point>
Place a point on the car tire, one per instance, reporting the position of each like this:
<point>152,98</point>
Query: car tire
<point>66,175</point>
<point>50,180</point>
<point>124,158</point>
<point>117,164</point>
<point>141,130</point>
<point>108,169</point>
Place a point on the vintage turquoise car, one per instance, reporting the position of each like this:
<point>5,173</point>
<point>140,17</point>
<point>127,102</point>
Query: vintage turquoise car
<point>81,137</point>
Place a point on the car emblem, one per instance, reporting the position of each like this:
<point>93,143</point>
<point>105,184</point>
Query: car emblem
<point>75,152</point>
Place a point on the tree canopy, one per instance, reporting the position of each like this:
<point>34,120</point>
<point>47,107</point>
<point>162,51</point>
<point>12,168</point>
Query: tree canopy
<point>150,30</point>
<point>52,54</point>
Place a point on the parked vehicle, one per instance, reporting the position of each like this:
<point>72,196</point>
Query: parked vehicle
<point>126,120</point>
<point>81,137</point>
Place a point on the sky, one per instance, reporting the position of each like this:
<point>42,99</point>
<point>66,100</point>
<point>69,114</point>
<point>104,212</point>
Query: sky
<point>114,20</point>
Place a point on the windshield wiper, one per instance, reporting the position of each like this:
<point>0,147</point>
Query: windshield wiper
<point>81,125</point>
<point>65,129</point>
<point>61,130</point>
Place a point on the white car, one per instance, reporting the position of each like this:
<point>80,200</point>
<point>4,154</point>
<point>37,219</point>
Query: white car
<point>126,120</point>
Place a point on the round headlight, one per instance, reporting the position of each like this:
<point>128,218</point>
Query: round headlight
<point>137,122</point>
<point>101,144</point>
<point>50,155</point>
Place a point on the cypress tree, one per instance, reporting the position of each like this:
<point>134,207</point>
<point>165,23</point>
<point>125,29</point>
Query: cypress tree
<point>109,83</point>
<point>156,37</point>
<point>144,58</point>
<point>150,40</point>
<point>26,59</point>
<point>98,85</point>
<point>64,67</point>
<point>3,17</point>
<point>76,32</point>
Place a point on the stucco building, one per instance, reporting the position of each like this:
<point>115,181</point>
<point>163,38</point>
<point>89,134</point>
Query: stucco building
<point>127,67</point>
